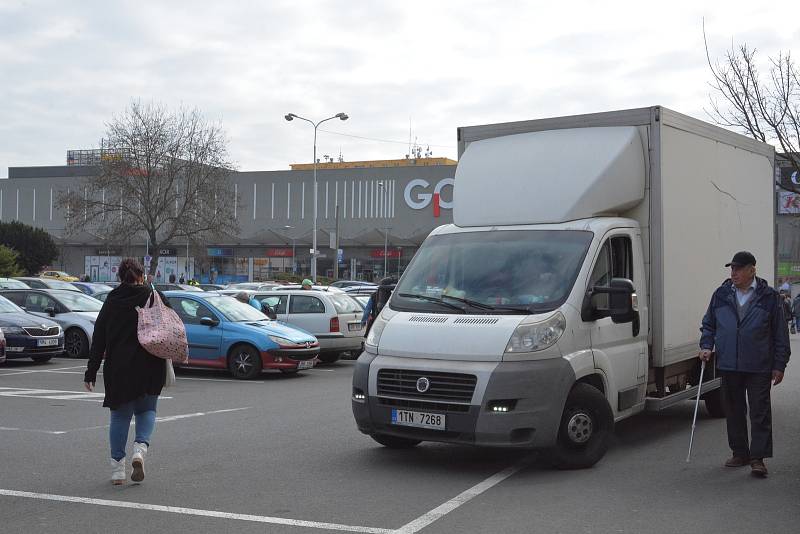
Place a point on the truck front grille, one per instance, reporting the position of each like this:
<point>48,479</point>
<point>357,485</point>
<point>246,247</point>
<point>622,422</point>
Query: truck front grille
<point>423,405</point>
<point>443,387</point>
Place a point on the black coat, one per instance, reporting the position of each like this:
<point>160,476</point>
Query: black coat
<point>129,371</point>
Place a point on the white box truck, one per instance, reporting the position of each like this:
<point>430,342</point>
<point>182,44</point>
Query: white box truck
<point>568,293</point>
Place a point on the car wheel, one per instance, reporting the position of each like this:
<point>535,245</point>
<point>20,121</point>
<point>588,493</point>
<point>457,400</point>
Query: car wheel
<point>395,442</point>
<point>585,429</point>
<point>76,344</point>
<point>244,362</point>
<point>41,359</point>
<point>329,357</point>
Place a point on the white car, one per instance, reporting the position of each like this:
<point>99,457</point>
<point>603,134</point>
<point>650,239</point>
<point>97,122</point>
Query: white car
<point>332,316</point>
<point>74,311</point>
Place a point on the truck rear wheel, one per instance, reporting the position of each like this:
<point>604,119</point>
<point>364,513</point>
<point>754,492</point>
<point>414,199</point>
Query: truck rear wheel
<point>714,403</point>
<point>394,442</point>
<point>586,425</point>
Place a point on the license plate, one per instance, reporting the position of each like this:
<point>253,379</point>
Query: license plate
<point>47,342</point>
<point>418,419</point>
<point>354,327</point>
<point>306,364</point>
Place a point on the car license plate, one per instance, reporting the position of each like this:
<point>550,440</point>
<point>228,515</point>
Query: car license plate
<point>47,342</point>
<point>305,364</point>
<point>418,419</point>
<point>354,327</point>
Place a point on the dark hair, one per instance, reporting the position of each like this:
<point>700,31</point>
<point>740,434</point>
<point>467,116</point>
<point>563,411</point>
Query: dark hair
<point>130,271</point>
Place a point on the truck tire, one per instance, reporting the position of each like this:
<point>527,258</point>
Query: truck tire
<point>394,442</point>
<point>585,429</point>
<point>715,405</point>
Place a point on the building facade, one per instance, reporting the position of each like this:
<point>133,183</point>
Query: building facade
<point>385,210</point>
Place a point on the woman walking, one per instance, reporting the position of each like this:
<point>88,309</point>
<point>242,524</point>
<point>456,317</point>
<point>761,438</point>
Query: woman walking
<point>133,378</point>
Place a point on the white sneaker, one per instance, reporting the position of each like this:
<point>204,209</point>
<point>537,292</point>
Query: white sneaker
<point>117,471</point>
<point>137,461</point>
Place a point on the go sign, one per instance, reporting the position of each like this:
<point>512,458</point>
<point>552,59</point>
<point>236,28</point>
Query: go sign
<point>417,196</point>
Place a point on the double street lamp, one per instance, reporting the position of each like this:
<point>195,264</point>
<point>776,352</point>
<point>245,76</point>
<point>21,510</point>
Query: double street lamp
<point>292,116</point>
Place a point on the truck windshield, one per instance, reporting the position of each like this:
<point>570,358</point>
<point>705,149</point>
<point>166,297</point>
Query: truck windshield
<point>503,271</point>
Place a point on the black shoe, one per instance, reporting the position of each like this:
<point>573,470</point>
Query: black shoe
<point>757,468</point>
<point>737,461</point>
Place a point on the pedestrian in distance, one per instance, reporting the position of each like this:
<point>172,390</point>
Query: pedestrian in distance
<point>796,312</point>
<point>746,328</point>
<point>171,278</point>
<point>306,284</point>
<point>787,311</point>
<point>376,302</point>
<point>181,280</point>
<point>133,378</point>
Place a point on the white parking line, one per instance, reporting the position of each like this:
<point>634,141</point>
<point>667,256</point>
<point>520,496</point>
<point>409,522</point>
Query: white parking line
<point>50,394</point>
<point>13,373</point>
<point>194,511</point>
<point>461,499</point>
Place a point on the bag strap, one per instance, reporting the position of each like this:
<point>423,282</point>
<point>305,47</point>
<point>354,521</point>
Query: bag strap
<point>153,296</point>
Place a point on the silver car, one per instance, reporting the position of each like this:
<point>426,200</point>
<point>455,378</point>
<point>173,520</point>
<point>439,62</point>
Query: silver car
<point>74,311</point>
<point>332,316</point>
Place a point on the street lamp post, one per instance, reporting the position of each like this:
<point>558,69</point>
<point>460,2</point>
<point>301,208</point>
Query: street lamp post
<point>294,259</point>
<point>289,117</point>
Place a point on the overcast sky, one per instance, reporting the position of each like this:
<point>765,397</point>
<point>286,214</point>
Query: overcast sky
<point>66,67</point>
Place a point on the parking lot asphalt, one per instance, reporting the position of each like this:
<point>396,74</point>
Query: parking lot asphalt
<point>282,454</point>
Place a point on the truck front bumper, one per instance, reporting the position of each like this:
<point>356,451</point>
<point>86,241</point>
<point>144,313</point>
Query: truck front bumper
<point>538,390</point>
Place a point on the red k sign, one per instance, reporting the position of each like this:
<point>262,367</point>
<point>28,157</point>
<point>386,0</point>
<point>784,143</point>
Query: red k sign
<point>391,253</point>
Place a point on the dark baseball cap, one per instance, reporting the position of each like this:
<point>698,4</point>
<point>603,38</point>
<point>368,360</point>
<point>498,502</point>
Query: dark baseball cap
<point>742,258</point>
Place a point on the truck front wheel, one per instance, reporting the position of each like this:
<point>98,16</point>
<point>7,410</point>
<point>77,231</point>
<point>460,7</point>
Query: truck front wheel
<point>586,425</point>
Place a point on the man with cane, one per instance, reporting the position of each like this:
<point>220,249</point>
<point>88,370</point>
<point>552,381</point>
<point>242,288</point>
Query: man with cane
<point>746,328</point>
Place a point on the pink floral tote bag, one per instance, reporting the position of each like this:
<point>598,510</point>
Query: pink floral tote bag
<point>161,331</point>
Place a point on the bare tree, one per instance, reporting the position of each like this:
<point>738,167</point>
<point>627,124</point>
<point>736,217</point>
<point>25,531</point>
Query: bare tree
<point>164,175</point>
<point>765,107</point>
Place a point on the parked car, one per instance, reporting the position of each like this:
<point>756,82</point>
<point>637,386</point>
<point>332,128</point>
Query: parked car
<point>342,284</point>
<point>59,275</point>
<point>27,336</point>
<point>91,288</point>
<point>2,347</point>
<point>74,311</point>
<point>112,283</point>
<point>101,295</point>
<point>46,283</point>
<point>177,287</point>
<point>368,289</point>
<point>318,288</point>
<point>10,283</point>
<point>210,287</point>
<point>253,286</point>
<point>224,333</point>
<point>332,316</point>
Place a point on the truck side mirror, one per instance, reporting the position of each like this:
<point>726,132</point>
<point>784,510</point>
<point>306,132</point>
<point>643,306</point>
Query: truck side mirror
<point>621,296</point>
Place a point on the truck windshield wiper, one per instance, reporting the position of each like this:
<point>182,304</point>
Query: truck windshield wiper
<point>431,299</point>
<point>473,303</point>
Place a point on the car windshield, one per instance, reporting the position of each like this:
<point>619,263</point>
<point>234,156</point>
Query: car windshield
<point>235,311</point>
<point>345,304</point>
<point>6,306</point>
<point>78,302</point>
<point>60,284</point>
<point>503,271</point>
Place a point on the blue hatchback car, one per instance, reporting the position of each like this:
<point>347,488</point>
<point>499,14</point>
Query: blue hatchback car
<point>29,336</point>
<point>224,333</point>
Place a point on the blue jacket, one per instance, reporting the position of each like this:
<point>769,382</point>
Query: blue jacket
<point>756,343</point>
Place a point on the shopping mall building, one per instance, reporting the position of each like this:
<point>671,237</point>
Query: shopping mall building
<point>386,209</point>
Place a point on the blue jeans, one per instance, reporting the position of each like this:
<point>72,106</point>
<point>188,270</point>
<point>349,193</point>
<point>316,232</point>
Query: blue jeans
<point>144,408</point>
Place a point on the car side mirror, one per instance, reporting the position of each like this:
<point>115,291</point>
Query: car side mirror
<point>209,321</point>
<point>50,311</point>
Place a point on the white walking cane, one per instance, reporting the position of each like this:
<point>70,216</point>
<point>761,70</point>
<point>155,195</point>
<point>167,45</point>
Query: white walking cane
<point>696,405</point>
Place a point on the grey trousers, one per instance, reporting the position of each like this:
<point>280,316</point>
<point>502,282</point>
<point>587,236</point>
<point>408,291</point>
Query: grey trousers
<point>740,391</point>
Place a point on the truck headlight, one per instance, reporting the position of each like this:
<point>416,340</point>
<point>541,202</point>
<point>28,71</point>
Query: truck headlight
<point>532,337</point>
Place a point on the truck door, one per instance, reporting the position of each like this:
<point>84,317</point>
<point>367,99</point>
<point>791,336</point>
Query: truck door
<point>620,348</point>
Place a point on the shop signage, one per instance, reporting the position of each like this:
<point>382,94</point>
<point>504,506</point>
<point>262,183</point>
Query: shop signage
<point>391,253</point>
<point>279,253</point>
<point>418,195</point>
<point>788,268</point>
<point>788,203</point>
<point>220,252</point>
<point>789,177</point>
<point>167,252</point>
<point>108,252</point>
